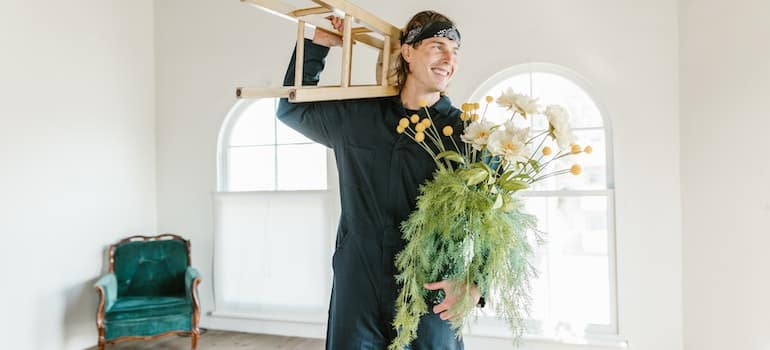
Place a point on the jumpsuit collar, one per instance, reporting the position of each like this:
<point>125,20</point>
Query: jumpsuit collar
<point>442,107</point>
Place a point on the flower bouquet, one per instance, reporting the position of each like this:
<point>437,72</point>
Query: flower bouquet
<point>469,226</point>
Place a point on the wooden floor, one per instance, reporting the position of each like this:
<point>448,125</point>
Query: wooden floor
<point>221,340</point>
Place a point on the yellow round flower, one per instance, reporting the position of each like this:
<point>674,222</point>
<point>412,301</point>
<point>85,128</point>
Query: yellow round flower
<point>547,151</point>
<point>475,117</point>
<point>425,122</point>
<point>404,122</point>
<point>419,137</point>
<point>490,99</point>
<point>415,118</point>
<point>464,116</point>
<point>576,169</point>
<point>423,103</point>
<point>400,129</point>
<point>588,149</point>
<point>575,148</point>
<point>466,107</point>
<point>476,105</point>
<point>419,127</point>
<point>447,130</point>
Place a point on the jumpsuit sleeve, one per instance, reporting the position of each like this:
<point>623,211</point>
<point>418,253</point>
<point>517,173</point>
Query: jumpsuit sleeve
<point>319,121</point>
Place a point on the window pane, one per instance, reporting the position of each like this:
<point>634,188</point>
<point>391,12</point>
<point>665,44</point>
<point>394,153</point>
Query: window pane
<point>496,114</point>
<point>302,167</point>
<point>267,258</point>
<point>251,168</point>
<point>554,89</point>
<point>288,135</point>
<point>594,166</point>
<point>549,89</point>
<point>574,287</point>
<point>256,125</point>
<point>538,206</point>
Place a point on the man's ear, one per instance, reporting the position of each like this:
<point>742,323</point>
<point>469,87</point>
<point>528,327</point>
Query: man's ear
<point>406,52</point>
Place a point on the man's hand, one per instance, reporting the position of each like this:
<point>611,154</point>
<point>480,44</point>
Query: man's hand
<point>451,297</point>
<point>322,37</point>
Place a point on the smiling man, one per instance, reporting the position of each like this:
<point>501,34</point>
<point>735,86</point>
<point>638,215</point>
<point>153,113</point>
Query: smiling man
<point>380,172</point>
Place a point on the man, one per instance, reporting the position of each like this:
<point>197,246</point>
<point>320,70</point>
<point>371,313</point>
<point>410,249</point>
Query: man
<point>380,172</point>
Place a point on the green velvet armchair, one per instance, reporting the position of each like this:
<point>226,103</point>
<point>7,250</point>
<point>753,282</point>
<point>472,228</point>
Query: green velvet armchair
<point>150,291</point>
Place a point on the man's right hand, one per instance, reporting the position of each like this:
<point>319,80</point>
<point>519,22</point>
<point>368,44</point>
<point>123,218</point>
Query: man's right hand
<point>322,37</point>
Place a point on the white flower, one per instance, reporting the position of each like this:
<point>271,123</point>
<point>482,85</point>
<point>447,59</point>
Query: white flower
<point>510,143</point>
<point>558,120</point>
<point>557,115</point>
<point>477,134</point>
<point>522,103</point>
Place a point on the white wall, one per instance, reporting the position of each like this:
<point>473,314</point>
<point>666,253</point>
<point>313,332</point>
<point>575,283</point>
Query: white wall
<point>725,86</point>
<point>627,50</point>
<point>77,158</point>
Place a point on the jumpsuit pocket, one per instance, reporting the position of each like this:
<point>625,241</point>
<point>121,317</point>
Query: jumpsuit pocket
<point>343,237</point>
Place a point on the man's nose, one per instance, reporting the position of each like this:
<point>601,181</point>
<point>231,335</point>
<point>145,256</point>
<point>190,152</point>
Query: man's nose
<point>447,57</point>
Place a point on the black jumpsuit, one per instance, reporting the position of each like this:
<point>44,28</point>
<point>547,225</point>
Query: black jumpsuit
<point>380,172</point>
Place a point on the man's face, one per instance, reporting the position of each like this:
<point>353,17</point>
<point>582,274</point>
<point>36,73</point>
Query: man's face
<point>432,64</point>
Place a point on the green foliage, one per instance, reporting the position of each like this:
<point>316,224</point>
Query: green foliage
<point>463,230</point>
<point>451,155</point>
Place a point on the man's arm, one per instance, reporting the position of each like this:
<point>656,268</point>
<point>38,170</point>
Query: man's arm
<point>319,121</point>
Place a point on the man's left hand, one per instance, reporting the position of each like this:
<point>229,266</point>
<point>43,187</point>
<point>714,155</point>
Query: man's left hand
<point>452,296</point>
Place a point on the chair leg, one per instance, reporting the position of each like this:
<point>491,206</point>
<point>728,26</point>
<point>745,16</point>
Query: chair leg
<point>102,342</point>
<point>195,335</point>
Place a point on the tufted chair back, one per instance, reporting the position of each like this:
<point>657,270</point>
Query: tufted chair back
<point>150,267</point>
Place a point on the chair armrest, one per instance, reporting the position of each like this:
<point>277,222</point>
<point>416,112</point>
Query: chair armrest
<point>107,286</point>
<point>191,280</point>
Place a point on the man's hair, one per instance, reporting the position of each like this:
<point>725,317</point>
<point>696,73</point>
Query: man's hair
<point>400,69</point>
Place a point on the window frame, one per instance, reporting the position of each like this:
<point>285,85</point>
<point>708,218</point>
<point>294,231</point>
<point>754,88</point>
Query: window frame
<point>224,309</point>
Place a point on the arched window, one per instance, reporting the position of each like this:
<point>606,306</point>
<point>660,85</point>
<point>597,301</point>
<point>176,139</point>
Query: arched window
<point>259,153</point>
<point>274,219</point>
<point>575,293</point>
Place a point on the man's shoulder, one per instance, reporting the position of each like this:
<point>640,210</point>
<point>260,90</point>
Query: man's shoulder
<point>371,102</point>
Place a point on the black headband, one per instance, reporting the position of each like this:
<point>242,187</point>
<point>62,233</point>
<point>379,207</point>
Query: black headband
<point>432,30</point>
